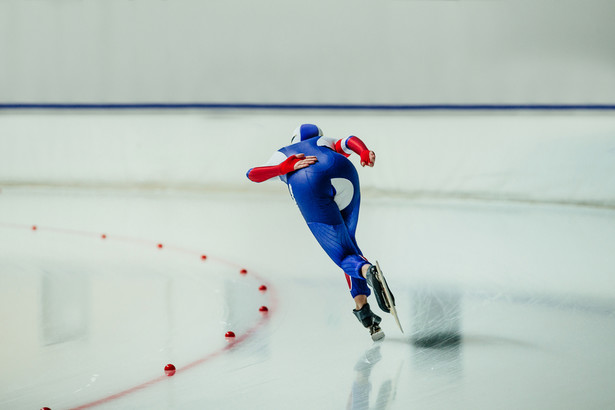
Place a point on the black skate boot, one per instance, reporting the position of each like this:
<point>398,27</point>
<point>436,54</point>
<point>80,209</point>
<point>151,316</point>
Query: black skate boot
<point>378,287</point>
<point>370,320</point>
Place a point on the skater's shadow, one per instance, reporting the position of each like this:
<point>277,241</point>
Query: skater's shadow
<point>361,386</point>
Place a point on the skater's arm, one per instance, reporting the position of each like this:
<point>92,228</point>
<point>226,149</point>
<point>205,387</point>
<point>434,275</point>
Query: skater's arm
<point>290,164</point>
<point>354,144</point>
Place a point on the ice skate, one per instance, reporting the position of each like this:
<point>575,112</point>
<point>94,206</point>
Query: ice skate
<point>377,283</point>
<point>371,321</point>
<point>385,298</point>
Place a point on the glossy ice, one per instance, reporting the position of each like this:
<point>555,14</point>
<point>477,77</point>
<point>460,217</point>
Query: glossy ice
<point>505,306</point>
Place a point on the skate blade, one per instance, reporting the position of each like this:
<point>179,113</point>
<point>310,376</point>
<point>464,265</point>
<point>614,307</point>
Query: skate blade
<point>389,298</point>
<point>394,313</point>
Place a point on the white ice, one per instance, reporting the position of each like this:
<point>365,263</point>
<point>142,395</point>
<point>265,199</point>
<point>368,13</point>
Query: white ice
<point>505,305</point>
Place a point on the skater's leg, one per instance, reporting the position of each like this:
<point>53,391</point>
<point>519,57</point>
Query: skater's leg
<point>358,283</point>
<point>358,289</point>
<point>367,270</point>
<point>350,216</point>
<point>335,228</point>
<point>360,300</point>
<point>331,209</point>
<point>315,197</point>
<point>336,242</point>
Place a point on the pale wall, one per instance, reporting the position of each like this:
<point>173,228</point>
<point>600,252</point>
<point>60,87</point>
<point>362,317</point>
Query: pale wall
<point>320,51</point>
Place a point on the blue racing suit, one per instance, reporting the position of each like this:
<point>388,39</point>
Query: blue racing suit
<point>328,196</point>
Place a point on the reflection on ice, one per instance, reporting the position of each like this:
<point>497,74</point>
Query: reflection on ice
<point>362,385</point>
<point>65,305</point>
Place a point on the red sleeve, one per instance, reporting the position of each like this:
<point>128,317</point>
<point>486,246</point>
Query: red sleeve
<point>358,146</point>
<point>347,146</point>
<point>260,174</point>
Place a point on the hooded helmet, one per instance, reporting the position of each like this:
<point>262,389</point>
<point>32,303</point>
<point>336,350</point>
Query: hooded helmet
<point>305,132</point>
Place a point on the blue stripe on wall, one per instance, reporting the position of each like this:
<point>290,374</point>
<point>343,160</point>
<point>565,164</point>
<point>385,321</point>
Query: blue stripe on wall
<point>378,107</point>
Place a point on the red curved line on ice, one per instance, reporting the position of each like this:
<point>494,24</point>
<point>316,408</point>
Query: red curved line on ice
<point>231,344</point>
<point>195,363</point>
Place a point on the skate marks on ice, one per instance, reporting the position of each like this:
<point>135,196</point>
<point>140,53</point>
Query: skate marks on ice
<point>435,317</point>
<point>463,342</point>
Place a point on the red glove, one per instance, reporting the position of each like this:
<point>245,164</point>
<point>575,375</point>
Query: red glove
<point>288,165</point>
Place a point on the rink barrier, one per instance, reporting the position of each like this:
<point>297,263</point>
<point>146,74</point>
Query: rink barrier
<point>232,339</point>
<point>288,106</point>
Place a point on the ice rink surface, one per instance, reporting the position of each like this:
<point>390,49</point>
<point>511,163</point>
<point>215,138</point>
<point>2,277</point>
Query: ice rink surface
<point>504,305</point>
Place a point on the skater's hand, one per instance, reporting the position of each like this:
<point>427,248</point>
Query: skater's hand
<point>368,158</point>
<point>295,162</point>
<point>304,161</point>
